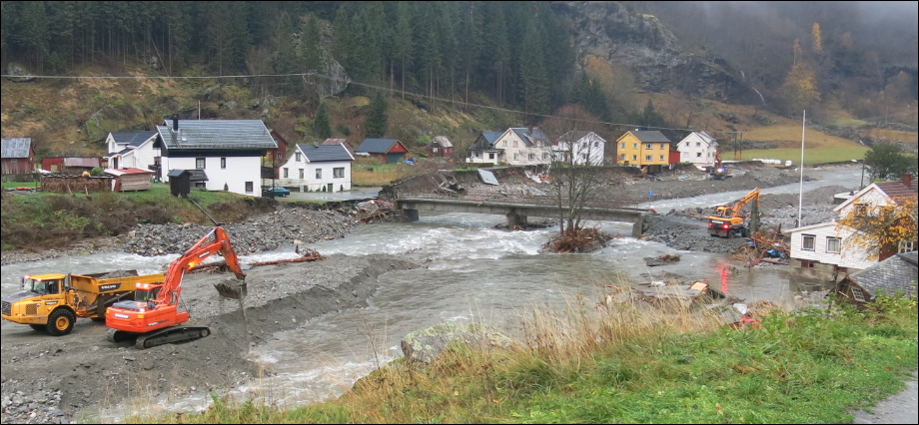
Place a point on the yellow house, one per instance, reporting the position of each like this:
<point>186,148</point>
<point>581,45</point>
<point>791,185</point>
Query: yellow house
<point>643,148</point>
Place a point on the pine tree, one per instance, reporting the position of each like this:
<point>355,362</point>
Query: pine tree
<point>321,124</point>
<point>402,40</point>
<point>533,72</point>
<point>375,124</point>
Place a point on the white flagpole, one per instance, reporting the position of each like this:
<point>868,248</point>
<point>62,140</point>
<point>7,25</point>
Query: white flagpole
<point>801,190</point>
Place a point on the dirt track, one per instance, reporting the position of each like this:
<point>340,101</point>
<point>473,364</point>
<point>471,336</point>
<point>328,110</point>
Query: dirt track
<point>47,380</point>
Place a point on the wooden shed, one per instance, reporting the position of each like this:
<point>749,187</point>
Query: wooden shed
<point>18,156</point>
<point>181,181</point>
<point>130,180</point>
<point>391,150</point>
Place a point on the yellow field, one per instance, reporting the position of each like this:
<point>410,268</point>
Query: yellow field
<point>789,136</point>
<point>894,135</point>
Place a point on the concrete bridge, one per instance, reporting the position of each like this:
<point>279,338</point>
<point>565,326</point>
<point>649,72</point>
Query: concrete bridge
<point>516,213</point>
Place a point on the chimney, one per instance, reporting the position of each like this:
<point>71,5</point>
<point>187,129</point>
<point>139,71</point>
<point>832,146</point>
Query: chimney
<point>175,124</point>
<point>907,180</point>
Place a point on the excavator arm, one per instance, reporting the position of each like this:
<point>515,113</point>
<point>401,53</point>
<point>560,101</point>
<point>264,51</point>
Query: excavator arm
<point>200,251</point>
<point>738,206</point>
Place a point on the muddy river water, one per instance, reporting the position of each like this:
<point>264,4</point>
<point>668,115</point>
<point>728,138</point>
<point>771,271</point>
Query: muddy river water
<point>470,272</point>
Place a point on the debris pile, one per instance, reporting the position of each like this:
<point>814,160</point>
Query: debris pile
<point>662,260</point>
<point>763,248</point>
<point>372,211</point>
<point>579,241</point>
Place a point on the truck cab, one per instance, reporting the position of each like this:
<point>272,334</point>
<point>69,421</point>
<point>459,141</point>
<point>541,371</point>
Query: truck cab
<point>43,305</point>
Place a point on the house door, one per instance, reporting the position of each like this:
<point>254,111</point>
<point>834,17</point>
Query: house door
<point>116,163</point>
<point>330,188</point>
<point>393,158</point>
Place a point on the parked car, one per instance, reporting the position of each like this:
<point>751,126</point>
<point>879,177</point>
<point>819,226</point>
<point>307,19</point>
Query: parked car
<point>277,191</point>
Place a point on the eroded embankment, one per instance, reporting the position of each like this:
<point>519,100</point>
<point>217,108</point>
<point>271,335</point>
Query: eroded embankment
<point>47,379</point>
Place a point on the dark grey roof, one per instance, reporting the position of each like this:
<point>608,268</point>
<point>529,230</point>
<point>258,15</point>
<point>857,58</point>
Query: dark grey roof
<point>326,153</point>
<point>376,145</point>
<point>895,273</point>
<point>15,148</point>
<point>132,139</point>
<point>217,134</point>
<point>114,154</point>
<point>537,136</point>
<point>443,141</point>
<point>651,136</point>
<point>491,136</point>
<point>195,175</point>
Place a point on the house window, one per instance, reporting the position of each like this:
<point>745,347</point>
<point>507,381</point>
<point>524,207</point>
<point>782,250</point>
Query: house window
<point>597,144</point>
<point>662,146</point>
<point>858,294</point>
<point>434,150</point>
<point>622,145</point>
<point>516,156</point>
<point>861,209</point>
<point>532,157</point>
<point>286,173</point>
<point>585,157</point>
<point>319,173</point>
<point>302,174</point>
<point>906,246</point>
<point>634,145</point>
<point>491,156</point>
<point>808,242</point>
<point>504,143</point>
<point>698,154</point>
<point>649,146</point>
<point>298,157</point>
<point>199,163</point>
<point>515,143</point>
<point>338,173</point>
<point>634,157</point>
<point>833,244</point>
<point>698,144</point>
<point>223,163</point>
<point>249,187</point>
<point>662,157</point>
<point>649,158</point>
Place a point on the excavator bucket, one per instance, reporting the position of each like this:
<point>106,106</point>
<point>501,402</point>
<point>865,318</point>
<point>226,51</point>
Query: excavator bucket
<point>232,288</point>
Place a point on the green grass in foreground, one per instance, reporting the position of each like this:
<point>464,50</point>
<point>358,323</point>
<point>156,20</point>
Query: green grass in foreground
<point>636,366</point>
<point>13,185</point>
<point>811,156</point>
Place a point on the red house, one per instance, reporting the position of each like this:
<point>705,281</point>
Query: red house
<point>17,156</point>
<point>59,164</point>
<point>279,154</point>
<point>392,150</point>
<point>441,147</point>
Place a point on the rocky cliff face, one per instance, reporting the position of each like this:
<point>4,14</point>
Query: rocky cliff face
<point>644,45</point>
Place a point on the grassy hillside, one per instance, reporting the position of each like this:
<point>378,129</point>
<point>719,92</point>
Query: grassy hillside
<point>45,220</point>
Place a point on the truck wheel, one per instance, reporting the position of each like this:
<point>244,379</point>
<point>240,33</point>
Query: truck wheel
<point>60,322</point>
<point>38,328</point>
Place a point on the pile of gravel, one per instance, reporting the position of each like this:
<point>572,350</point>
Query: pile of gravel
<point>687,234</point>
<point>286,226</point>
<point>41,407</point>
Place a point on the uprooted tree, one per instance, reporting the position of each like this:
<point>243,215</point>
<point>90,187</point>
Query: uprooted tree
<point>880,230</point>
<point>576,180</point>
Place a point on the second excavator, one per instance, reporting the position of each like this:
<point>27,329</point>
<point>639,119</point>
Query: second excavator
<point>728,221</point>
<point>153,317</point>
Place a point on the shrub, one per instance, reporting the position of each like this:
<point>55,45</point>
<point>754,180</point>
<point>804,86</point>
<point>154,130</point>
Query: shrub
<point>97,171</point>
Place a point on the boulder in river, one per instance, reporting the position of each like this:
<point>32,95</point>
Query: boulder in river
<point>423,346</point>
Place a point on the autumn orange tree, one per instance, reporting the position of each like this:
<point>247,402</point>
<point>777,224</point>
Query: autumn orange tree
<point>880,229</point>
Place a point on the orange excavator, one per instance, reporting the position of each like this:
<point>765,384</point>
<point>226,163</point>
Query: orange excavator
<point>728,220</point>
<point>153,318</point>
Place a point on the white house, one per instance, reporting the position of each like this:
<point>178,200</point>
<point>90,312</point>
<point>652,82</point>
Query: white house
<point>483,151</point>
<point>824,243</point>
<point>516,146</point>
<point>583,147</point>
<point>132,150</point>
<point>324,168</point>
<point>229,152</point>
<point>698,148</point>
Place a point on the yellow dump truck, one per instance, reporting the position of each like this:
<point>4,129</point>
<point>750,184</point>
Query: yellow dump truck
<point>53,302</point>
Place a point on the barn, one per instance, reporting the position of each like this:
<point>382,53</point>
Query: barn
<point>130,179</point>
<point>18,156</point>
<point>391,150</point>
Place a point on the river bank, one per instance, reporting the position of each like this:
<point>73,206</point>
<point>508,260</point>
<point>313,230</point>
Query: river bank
<point>47,379</point>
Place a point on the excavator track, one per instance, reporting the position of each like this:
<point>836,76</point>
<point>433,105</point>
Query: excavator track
<point>170,335</point>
